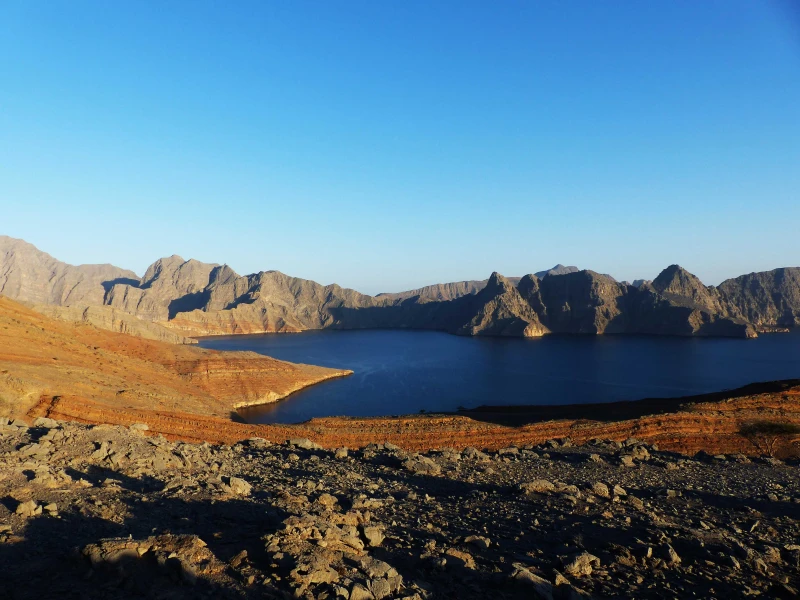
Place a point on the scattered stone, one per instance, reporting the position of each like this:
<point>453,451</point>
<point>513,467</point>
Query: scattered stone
<point>239,487</point>
<point>422,465</point>
<point>304,444</point>
<point>537,486</point>
<point>581,565</point>
<point>601,489</point>
<point>478,541</point>
<point>373,534</point>
<point>327,523</point>
<point>28,509</point>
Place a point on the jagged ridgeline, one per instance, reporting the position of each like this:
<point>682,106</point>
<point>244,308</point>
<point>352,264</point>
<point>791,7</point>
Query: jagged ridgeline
<point>177,298</point>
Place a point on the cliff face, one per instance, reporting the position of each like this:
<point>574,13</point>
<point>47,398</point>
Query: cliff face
<point>170,285</point>
<point>582,302</point>
<point>501,310</point>
<point>767,298</point>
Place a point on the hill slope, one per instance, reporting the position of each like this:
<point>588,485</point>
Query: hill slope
<point>43,357</point>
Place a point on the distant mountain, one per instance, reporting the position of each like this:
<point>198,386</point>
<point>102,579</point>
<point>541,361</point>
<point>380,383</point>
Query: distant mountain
<point>559,269</point>
<point>71,293</point>
<point>456,289</point>
<point>27,273</point>
<point>444,291</point>
<point>769,298</point>
<point>189,298</point>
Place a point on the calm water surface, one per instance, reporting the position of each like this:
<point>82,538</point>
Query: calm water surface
<point>402,372</point>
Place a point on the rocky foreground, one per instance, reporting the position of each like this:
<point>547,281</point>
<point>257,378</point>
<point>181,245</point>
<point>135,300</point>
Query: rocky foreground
<point>106,512</point>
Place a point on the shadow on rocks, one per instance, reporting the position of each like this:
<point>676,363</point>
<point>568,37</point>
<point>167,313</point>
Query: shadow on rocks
<point>47,558</point>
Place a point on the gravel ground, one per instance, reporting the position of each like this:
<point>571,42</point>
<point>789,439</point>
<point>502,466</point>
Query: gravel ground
<point>110,512</point>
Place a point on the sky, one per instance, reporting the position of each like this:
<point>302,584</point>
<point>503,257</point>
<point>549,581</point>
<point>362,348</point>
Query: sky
<point>389,145</point>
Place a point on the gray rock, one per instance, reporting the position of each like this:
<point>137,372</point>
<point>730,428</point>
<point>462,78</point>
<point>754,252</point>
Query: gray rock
<point>239,486</point>
<point>305,444</point>
<point>380,588</point>
<point>601,489</point>
<point>373,534</point>
<point>581,565</point>
<point>28,508</point>
<point>540,588</point>
<point>538,486</point>
<point>478,541</point>
<point>422,465</point>
<point>359,592</point>
<point>45,423</point>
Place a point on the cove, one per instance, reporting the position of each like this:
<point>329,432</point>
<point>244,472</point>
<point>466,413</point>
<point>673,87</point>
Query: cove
<point>403,372</point>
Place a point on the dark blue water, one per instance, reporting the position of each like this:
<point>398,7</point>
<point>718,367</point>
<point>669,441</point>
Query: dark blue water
<point>403,372</point>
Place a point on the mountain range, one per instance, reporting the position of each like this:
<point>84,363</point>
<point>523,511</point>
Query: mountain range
<point>178,298</point>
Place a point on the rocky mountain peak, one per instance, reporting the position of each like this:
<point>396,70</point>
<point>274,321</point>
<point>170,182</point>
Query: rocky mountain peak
<point>497,284</point>
<point>167,264</point>
<point>185,275</point>
<point>677,283</point>
<point>675,279</point>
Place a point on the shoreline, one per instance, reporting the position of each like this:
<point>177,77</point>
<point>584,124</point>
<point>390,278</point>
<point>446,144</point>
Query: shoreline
<point>278,397</point>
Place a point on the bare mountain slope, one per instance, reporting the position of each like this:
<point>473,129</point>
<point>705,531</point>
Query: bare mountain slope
<point>27,273</point>
<point>40,356</point>
<point>195,298</point>
<point>767,298</point>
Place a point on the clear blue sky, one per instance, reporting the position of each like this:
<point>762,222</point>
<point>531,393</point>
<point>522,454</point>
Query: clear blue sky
<point>387,145</point>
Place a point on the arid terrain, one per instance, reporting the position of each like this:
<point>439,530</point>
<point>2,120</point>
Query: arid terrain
<point>124,472</point>
<point>67,371</point>
<point>40,356</point>
<point>108,512</point>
